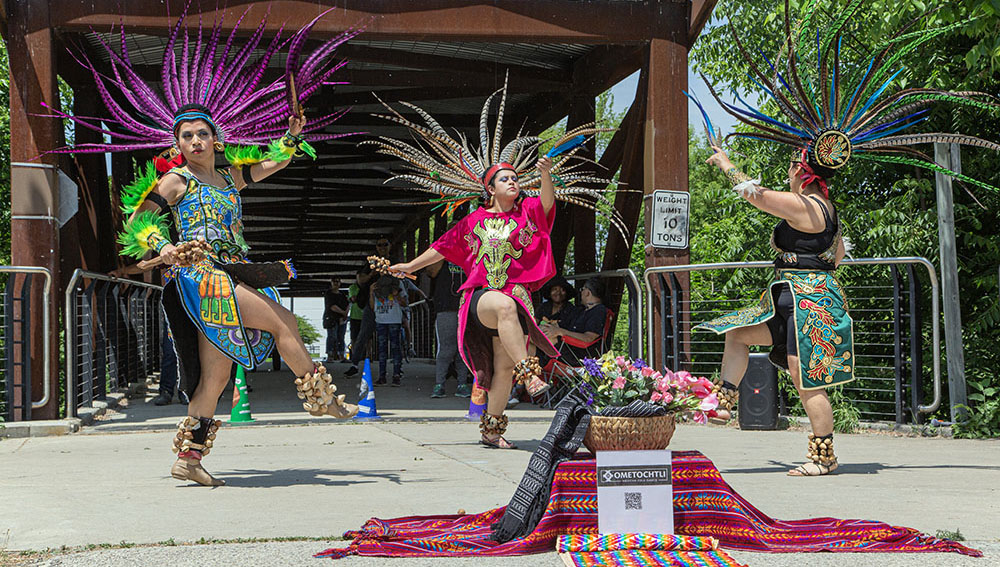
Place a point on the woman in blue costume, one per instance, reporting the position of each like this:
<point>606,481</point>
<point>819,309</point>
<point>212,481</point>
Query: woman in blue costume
<point>222,309</point>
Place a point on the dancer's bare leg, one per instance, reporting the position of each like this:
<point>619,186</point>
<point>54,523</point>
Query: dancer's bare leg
<point>820,412</point>
<point>215,370</point>
<point>736,355</point>
<point>503,373</point>
<point>261,312</point>
<point>498,311</point>
<point>815,402</point>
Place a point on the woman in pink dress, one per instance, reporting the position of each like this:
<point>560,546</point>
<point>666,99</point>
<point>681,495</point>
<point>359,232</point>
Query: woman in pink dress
<point>503,246</point>
<point>504,249</point>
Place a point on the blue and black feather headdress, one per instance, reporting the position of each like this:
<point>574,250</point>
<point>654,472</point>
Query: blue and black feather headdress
<point>836,112</point>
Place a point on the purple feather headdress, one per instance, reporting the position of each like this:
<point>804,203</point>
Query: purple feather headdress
<point>229,84</point>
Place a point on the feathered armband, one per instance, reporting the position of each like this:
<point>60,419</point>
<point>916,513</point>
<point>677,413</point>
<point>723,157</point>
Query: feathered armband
<point>147,231</point>
<point>282,149</point>
<point>287,146</point>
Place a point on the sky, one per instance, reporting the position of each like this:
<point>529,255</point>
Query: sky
<point>624,93</point>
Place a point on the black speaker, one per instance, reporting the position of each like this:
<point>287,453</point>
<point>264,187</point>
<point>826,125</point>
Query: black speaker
<point>758,405</point>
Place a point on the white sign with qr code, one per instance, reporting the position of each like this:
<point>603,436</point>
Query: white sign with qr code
<point>635,493</point>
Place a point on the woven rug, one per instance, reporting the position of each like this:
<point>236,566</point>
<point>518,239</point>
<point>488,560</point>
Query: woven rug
<point>704,505</point>
<point>642,550</point>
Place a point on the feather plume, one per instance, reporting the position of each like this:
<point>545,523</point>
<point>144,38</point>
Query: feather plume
<point>194,70</point>
<point>440,164</point>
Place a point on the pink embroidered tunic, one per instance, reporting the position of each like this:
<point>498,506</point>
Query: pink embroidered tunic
<point>508,252</point>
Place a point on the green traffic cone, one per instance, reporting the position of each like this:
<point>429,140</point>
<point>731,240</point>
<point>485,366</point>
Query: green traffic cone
<point>241,401</point>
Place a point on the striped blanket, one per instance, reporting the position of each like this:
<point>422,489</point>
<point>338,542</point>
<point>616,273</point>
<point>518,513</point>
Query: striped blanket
<point>642,550</point>
<point>704,505</point>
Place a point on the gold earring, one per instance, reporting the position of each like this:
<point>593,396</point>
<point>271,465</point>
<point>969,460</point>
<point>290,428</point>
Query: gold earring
<point>219,147</point>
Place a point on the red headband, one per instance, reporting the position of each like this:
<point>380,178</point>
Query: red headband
<point>488,176</point>
<point>808,175</point>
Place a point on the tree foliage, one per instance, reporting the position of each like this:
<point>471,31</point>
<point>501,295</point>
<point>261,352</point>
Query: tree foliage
<point>307,331</point>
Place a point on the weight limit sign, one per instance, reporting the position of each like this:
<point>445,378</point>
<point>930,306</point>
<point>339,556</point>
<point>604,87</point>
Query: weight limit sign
<point>671,219</point>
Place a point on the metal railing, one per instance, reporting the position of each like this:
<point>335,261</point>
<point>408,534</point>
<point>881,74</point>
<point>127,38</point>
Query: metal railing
<point>882,331</point>
<point>18,396</point>
<point>113,331</point>
<point>422,328</point>
<point>634,306</point>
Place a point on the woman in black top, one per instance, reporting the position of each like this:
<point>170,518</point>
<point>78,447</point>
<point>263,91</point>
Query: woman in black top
<point>803,313</point>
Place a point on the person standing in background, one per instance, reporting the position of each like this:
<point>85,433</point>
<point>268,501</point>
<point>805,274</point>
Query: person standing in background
<point>446,279</point>
<point>366,277</point>
<point>334,320</point>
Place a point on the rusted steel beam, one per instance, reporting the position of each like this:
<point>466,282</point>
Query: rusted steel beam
<point>582,111</point>
<point>627,148</point>
<point>595,21</point>
<point>605,66</point>
<point>468,75</point>
<point>480,71</point>
<point>666,154</point>
<point>31,50</point>
<point>97,223</point>
<point>413,95</point>
<point>701,11</point>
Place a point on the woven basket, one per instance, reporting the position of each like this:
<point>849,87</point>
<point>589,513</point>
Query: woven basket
<point>629,433</point>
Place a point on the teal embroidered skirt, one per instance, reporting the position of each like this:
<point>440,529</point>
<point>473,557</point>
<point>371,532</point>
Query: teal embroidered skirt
<point>823,325</point>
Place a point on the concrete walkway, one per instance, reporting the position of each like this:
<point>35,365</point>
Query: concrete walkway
<point>110,484</point>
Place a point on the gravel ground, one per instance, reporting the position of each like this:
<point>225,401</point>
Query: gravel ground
<point>299,553</point>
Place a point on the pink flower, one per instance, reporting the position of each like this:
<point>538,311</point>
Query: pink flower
<point>620,361</point>
<point>667,397</point>
<point>685,376</point>
<point>709,403</point>
<point>647,371</point>
<point>702,387</point>
<point>699,417</point>
<point>655,397</point>
<point>663,384</point>
<point>619,383</point>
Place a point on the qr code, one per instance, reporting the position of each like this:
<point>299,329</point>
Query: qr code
<point>633,501</point>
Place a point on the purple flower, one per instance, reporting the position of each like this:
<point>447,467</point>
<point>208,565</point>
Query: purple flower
<point>639,364</point>
<point>593,368</point>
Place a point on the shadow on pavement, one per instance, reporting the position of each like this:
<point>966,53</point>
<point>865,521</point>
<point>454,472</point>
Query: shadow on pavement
<point>854,468</point>
<point>253,478</point>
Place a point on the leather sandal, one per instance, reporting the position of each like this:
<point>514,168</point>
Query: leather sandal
<point>498,443</point>
<point>813,469</point>
<point>822,460</point>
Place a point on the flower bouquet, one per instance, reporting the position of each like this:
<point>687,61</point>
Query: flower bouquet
<point>634,406</point>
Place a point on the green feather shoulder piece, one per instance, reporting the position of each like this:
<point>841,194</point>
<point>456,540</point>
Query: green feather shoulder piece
<point>135,193</point>
<point>134,237</point>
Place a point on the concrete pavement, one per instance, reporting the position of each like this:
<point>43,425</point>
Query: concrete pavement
<point>111,484</point>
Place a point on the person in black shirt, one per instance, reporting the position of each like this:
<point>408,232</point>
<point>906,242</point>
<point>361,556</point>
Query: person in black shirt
<point>585,324</point>
<point>334,320</point>
<point>446,279</point>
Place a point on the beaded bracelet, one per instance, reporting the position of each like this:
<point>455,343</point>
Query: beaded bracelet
<point>742,183</point>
